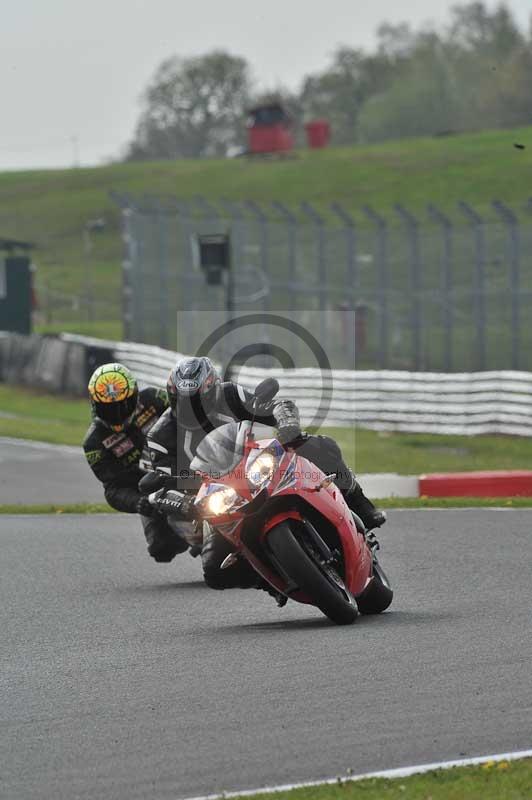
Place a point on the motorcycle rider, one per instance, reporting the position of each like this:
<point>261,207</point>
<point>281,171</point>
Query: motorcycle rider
<point>200,402</point>
<point>114,444</point>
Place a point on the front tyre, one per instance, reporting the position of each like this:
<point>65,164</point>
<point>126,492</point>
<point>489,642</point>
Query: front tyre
<point>311,577</point>
<point>378,595</point>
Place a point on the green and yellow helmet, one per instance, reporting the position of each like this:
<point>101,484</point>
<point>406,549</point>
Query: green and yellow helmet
<point>113,392</point>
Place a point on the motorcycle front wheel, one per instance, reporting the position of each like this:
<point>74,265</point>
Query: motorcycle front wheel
<point>312,578</point>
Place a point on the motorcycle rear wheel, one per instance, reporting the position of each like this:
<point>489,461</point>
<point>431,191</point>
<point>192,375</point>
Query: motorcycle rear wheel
<point>307,574</point>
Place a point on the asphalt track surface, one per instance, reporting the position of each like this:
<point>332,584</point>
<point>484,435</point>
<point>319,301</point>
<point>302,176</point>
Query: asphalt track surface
<point>126,679</point>
<point>36,472</point>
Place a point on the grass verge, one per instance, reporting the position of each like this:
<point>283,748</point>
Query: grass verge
<point>388,502</point>
<point>51,508</point>
<point>454,502</point>
<point>25,414</point>
<point>417,453</point>
<point>511,780</point>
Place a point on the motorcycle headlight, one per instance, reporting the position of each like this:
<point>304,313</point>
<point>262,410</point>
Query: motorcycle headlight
<point>220,501</point>
<point>261,470</point>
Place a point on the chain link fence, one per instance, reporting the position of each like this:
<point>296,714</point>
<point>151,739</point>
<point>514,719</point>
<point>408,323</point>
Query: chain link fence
<point>429,292</point>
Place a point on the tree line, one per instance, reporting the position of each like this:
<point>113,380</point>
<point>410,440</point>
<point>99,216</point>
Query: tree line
<point>474,73</point>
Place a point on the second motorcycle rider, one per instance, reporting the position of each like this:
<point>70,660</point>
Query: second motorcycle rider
<point>200,402</point>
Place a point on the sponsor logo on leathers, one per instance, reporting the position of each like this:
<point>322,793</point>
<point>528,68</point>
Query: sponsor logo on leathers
<point>113,439</point>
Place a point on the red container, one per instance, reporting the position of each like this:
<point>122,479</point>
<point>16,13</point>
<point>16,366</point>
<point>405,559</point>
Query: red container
<point>318,133</point>
<point>269,129</point>
<point>269,138</point>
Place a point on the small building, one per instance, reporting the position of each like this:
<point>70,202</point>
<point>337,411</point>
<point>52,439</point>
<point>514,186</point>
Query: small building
<point>269,129</point>
<point>16,286</point>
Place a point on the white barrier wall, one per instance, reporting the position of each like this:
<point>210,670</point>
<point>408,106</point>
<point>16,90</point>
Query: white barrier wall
<point>452,403</point>
<point>421,402</point>
<point>428,402</point>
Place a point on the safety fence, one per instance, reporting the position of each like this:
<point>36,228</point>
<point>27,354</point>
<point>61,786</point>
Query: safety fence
<point>433,290</point>
<point>387,400</point>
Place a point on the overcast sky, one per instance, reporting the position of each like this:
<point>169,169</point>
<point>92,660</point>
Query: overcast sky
<point>72,71</point>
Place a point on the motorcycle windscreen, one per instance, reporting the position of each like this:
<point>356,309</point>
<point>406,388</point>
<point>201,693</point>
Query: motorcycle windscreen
<point>221,450</point>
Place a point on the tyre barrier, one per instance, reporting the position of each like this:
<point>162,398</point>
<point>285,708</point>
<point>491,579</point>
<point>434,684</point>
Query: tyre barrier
<point>54,364</point>
<point>19,355</point>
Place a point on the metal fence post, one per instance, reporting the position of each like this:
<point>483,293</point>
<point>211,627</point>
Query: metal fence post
<point>186,277</point>
<point>351,244</point>
<point>235,217</point>
<point>381,246</point>
<point>162,224</point>
<point>319,224</point>
<point>291,223</point>
<point>125,205</point>
<point>138,221</point>
<point>127,270</point>
<point>207,210</point>
<point>477,225</point>
<point>351,268</point>
<point>512,223</point>
<point>446,226</point>
<point>416,319</point>
<point>263,220</point>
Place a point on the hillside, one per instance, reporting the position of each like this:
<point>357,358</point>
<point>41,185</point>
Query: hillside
<point>51,207</point>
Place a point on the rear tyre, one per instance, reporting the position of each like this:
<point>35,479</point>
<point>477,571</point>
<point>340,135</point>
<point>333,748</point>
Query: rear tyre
<point>333,600</point>
<point>378,595</point>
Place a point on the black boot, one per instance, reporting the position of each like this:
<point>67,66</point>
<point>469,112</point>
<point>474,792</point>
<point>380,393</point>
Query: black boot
<point>164,549</point>
<point>279,598</point>
<point>357,501</point>
<point>163,543</point>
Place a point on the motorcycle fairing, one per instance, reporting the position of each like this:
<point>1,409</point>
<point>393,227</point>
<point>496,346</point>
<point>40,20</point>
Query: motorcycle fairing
<point>329,503</point>
<point>325,501</point>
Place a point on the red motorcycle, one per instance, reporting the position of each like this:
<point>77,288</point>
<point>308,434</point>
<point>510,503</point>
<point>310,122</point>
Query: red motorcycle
<point>288,520</point>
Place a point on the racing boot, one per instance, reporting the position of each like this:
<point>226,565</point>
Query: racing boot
<point>357,501</point>
<point>163,543</point>
<point>279,598</point>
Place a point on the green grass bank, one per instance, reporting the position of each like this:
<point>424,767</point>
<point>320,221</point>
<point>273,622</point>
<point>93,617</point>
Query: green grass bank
<point>51,207</point>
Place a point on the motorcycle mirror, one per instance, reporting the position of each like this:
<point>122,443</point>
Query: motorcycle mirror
<point>326,481</point>
<point>266,390</point>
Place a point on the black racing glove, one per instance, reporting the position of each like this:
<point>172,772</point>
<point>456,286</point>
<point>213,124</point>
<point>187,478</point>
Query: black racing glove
<point>144,507</point>
<point>169,501</point>
<point>287,421</point>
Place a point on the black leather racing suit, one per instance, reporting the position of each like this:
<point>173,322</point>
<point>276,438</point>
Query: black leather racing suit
<point>115,460</point>
<point>172,448</point>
